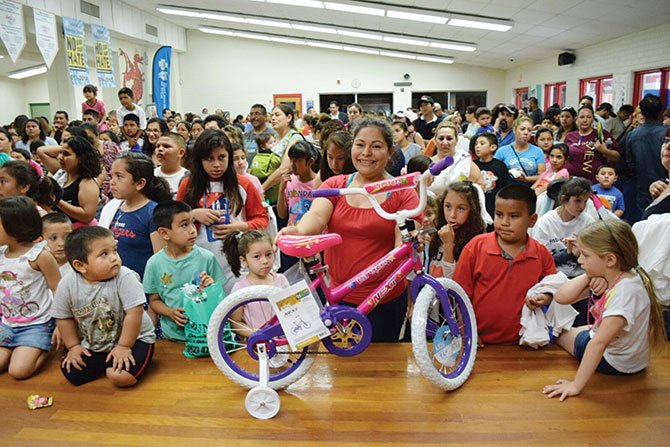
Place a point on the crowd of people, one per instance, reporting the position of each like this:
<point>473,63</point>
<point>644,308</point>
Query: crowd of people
<point>104,220</point>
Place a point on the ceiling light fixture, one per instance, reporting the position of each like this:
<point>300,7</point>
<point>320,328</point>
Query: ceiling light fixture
<point>416,17</point>
<point>398,55</point>
<point>305,3</point>
<point>439,60</point>
<point>405,41</point>
<point>358,34</point>
<point>361,50</point>
<point>453,46</point>
<point>178,11</point>
<point>330,46</point>
<point>289,41</point>
<point>481,23</point>
<point>314,29</point>
<point>28,72</point>
<point>348,7</point>
<point>274,23</point>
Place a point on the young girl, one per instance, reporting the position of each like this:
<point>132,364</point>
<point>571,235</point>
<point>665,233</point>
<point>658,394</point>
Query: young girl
<point>400,134</point>
<point>626,322</point>
<point>29,277</point>
<point>557,156</point>
<point>265,163</point>
<point>544,139</point>
<point>459,219</point>
<point>338,157</point>
<point>136,192</point>
<point>81,163</point>
<point>18,178</point>
<point>254,251</point>
<point>92,102</point>
<point>223,202</point>
<point>295,187</point>
<point>241,164</point>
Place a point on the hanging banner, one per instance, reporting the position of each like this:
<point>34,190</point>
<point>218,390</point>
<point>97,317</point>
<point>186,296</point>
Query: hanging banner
<point>12,29</point>
<point>161,78</point>
<point>45,34</point>
<point>77,61</point>
<point>103,56</point>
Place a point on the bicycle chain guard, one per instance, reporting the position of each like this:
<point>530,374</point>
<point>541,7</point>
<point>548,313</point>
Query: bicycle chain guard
<point>353,331</point>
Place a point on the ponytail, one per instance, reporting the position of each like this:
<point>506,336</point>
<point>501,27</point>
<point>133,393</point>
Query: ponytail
<point>140,166</point>
<point>230,248</point>
<point>157,189</point>
<point>656,325</point>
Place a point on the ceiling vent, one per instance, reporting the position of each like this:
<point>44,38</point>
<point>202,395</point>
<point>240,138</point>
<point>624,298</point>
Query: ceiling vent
<point>89,9</point>
<point>151,30</point>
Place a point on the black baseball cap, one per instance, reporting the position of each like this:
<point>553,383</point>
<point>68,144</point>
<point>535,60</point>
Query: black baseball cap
<point>426,98</point>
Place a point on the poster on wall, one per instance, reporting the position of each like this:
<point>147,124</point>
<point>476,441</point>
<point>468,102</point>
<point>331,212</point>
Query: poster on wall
<point>77,60</point>
<point>133,72</point>
<point>45,35</point>
<point>161,78</point>
<point>12,29</point>
<point>103,56</point>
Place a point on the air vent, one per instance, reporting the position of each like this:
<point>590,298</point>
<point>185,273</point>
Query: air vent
<point>402,84</point>
<point>151,30</point>
<point>89,9</point>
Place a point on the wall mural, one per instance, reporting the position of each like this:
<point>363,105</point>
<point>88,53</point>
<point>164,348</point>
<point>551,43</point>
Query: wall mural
<point>133,73</point>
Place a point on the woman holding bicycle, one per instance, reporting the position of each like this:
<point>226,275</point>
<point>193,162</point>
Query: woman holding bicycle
<point>366,236</point>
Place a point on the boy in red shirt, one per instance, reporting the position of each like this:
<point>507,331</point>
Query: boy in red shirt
<point>497,269</point>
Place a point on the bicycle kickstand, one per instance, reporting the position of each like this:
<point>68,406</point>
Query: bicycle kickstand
<point>262,402</point>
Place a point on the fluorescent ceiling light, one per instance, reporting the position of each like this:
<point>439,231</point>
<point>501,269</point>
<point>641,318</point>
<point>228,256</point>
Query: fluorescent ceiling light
<point>330,46</point>
<point>28,72</point>
<point>361,50</point>
<point>273,23</point>
<point>224,17</point>
<point>355,9</point>
<point>178,12</point>
<point>306,3</point>
<point>452,46</point>
<point>416,17</point>
<point>400,55</point>
<point>359,34</point>
<point>482,24</point>
<point>314,29</point>
<point>289,41</point>
<point>222,32</point>
<point>254,36</point>
<point>440,60</point>
<point>403,40</point>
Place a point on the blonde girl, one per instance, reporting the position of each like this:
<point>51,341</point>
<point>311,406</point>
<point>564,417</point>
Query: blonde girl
<point>626,322</point>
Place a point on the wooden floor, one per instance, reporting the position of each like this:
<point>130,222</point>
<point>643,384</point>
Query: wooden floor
<point>377,398</point>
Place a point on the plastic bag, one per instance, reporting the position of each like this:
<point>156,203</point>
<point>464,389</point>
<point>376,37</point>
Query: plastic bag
<point>199,304</point>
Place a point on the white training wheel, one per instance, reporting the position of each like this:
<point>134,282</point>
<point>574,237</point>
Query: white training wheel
<point>262,402</point>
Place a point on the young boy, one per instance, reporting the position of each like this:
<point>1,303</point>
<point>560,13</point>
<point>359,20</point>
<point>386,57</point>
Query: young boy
<point>100,313</point>
<point>609,194</point>
<point>126,97</point>
<point>92,116</point>
<point>484,116</point>
<point>170,150</point>
<point>179,263</point>
<point>494,172</point>
<point>497,269</point>
<point>132,134</point>
<point>55,228</point>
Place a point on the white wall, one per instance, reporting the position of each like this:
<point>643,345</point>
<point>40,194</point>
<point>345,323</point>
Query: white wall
<point>618,57</point>
<point>35,90</point>
<point>13,101</point>
<point>232,74</point>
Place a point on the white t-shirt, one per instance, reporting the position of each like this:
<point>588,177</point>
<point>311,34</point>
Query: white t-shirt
<point>629,351</point>
<point>122,111</point>
<point>550,230</point>
<point>172,179</point>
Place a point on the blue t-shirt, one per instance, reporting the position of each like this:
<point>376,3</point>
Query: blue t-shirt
<point>530,158</point>
<point>509,138</point>
<point>612,198</point>
<point>133,231</point>
<point>488,128</point>
<point>166,276</point>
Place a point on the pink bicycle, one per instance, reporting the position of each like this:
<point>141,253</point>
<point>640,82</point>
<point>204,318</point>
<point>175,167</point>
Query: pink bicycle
<point>443,326</point>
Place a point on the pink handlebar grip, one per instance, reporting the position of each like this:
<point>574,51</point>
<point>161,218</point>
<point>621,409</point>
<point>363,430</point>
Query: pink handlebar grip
<point>394,184</point>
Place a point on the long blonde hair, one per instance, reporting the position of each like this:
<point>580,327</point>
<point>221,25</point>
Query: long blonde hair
<point>616,237</point>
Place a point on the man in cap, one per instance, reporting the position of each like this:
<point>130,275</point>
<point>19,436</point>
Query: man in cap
<point>428,121</point>
<point>504,124</point>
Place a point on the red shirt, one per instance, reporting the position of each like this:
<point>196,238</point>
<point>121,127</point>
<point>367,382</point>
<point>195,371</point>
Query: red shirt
<point>98,106</point>
<point>498,286</point>
<point>366,237</point>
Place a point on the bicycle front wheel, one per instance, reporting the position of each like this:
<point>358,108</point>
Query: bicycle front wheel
<point>445,359</point>
<point>236,318</point>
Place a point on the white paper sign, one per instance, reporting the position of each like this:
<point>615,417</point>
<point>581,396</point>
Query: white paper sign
<point>12,30</point>
<point>45,34</point>
<point>299,316</point>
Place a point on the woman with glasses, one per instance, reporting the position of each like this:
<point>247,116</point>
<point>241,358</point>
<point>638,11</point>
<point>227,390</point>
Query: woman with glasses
<point>155,128</point>
<point>659,189</point>
<point>589,148</point>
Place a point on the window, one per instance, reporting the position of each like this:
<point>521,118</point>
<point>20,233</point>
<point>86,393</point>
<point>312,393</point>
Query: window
<point>554,94</point>
<point>600,88</point>
<point>655,81</point>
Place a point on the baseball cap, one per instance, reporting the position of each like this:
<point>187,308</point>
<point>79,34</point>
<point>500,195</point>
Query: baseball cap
<point>426,98</point>
<point>511,108</point>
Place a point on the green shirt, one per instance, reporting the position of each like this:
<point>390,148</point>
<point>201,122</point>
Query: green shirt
<point>166,276</point>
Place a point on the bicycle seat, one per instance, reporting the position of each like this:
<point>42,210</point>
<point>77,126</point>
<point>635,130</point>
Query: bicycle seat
<point>306,246</point>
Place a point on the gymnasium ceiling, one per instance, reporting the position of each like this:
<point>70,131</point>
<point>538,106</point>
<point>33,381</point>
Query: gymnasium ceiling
<point>541,28</point>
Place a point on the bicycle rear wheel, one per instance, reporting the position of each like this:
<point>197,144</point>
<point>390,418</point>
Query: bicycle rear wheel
<point>229,330</point>
<point>445,359</point>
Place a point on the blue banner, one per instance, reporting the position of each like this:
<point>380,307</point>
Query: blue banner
<point>103,56</point>
<point>161,79</point>
<point>75,50</point>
